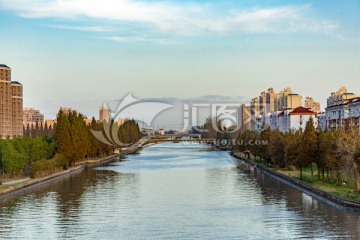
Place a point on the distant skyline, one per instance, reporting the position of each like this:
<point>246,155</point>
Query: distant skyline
<point>82,53</point>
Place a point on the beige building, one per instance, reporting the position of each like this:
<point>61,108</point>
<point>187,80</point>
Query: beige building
<point>340,97</point>
<point>32,116</point>
<point>343,110</point>
<point>11,104</point>
<point>104,114</point>
<point>271,98</point>
<point>262,103</point>
<point>67,110</point>
<point>50,123</point>
<point>292,101</point>
<point>287,99</point>
<point>312,105</point>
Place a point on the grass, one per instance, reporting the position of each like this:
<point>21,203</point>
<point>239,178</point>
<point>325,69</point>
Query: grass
<point>347,190</point>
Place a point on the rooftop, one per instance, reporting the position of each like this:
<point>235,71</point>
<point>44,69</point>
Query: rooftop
<point>302,111</point>
<point>15,82</point>
<point>3,65</point>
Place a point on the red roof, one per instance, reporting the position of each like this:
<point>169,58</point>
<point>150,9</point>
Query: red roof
<point>281,114</point>
<point>302,111</point>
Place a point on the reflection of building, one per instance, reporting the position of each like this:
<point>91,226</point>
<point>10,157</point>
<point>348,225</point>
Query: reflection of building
<point>104,114</point>
<point>11,104</point>
<point>343,110</point>
<point>32,116</point>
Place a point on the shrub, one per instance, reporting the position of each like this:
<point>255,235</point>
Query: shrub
<point>45,167</point>
<point>292,168</point>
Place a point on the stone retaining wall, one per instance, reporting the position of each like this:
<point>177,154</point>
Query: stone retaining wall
<point>315,192</point>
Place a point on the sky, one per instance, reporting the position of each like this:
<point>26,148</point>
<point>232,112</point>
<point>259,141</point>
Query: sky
<point>83,53</point>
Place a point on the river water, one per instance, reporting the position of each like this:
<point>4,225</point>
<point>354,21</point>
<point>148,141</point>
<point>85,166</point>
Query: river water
<point>171,191</point>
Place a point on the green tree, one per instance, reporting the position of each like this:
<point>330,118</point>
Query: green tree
<point>62,136</point>
<point>277,148</point>
<point>309,146</point>
<point>292,150</point>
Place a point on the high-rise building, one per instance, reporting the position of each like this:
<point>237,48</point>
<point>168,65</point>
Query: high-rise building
<point>343,110</point>
<point>11,104</point>
<point>312,105</point>
<point>271,97</point>
<point>340,97</point>
<point>32,116</point>
<point>262,102</point>
<point>281,102</point>
<point>104,114</point>
<point>292,101</point>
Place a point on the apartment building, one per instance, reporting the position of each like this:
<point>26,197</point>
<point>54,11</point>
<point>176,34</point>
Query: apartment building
<point>11,104</point>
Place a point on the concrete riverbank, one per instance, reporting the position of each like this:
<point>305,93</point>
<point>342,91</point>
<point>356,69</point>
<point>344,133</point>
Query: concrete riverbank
<point>310,190</point>
<point>7,190</point>
<point>11,189</point>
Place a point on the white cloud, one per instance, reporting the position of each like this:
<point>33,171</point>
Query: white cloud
<point>141,39</point>
<point>82,28</point>
<point>175,18</point>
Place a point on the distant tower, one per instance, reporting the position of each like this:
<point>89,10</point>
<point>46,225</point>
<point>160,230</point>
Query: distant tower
<point>104,114</point>
<point>11,104</point>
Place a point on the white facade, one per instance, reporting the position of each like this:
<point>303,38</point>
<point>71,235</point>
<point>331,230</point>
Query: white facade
<point>292,119</point>
<point>322,121</point>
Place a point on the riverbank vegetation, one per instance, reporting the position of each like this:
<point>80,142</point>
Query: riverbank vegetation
<point>320,158</point>
<point>47,152</point>
<point>18,155</point>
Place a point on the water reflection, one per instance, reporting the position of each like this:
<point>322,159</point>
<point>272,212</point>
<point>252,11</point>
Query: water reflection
<point>171,191</point>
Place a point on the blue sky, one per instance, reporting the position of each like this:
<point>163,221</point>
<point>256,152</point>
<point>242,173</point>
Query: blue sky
<point>81,53</point>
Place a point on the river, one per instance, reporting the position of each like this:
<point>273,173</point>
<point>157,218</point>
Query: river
<point>171,191</point>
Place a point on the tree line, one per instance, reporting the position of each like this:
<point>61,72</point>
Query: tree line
<point>38,129</point>
<point>335,154</point>
<point>46,151</point>
<point>76,142</point>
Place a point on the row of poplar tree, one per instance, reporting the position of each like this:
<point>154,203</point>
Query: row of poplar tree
<point>76,141</point>
<point>70,141</point>
<point>334,153</point>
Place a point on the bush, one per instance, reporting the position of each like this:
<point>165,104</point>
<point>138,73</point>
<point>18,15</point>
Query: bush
<point>45,167</point>
<point>292,168</point>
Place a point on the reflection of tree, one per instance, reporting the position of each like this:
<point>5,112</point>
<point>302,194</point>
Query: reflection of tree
<point>92,186</point>
<point>319,217</point>
<point>71,195</point>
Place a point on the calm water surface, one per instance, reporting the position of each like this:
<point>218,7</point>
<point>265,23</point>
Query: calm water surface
<point>171,191</point>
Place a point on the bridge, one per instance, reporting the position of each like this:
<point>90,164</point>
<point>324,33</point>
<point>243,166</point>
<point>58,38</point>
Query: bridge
<point>175,138</point>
